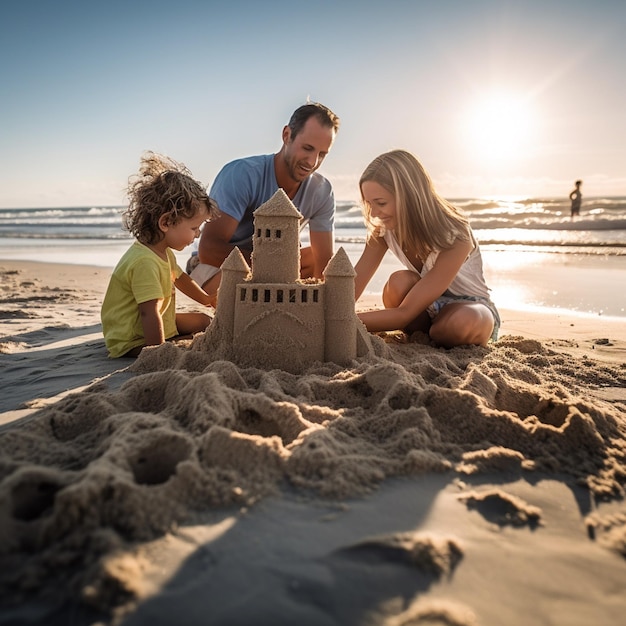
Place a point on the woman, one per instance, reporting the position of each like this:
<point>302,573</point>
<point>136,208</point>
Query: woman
<point>442,291</point>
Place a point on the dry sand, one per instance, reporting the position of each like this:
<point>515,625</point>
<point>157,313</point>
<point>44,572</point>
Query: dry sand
<point>419,486</point>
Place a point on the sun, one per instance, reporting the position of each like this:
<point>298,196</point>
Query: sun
<point>499,126</point>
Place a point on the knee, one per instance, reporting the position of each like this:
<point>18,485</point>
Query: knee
<point>397,286</point>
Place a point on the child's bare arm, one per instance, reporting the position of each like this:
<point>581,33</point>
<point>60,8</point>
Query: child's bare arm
<point>152,323</point>
<point>368,263</point>
<point>190,288</point>
<point>425,291</point>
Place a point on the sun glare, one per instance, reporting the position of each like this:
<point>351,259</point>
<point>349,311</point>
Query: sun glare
<point>499,127</point>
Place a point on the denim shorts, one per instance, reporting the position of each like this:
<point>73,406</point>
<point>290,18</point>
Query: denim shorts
<point>447,298</point>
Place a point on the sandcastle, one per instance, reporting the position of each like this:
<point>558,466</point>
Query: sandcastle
<point>268,317</point>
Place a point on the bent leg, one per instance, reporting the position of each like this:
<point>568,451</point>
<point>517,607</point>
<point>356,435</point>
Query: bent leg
<point>462,324</point>
<point>190,323</point>
<point>396,289</point>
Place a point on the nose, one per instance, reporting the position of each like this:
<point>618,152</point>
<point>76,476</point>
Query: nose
<point>315,161</point>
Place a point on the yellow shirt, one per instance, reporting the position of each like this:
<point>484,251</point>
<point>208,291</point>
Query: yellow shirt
<point>140,275</point>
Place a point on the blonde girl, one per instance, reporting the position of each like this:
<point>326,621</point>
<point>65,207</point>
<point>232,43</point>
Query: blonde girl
<point>442,291</point>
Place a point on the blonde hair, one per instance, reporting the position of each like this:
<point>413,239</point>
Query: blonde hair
<point>425,222</point>
<point>163,187</point>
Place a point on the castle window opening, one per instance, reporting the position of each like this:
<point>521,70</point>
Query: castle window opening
<point>279,295</point>
<point>268,233</point>
<point>278,233</point>
<point>267,297</point>
<point>304,295</point>
<point>242,295</point>
<point>258,232</point>
<point>292,295</point>
<point>316,295</point>
<point>255,295</point>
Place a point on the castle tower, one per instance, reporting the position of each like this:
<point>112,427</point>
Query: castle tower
<point>276,241</point>
<point>340,341</point>
<point>234,271</point>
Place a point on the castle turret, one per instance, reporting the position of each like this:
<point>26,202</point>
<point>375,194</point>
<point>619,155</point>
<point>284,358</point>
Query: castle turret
<point>340,344</point>
<point>234,271</point>
<point>276,241</point>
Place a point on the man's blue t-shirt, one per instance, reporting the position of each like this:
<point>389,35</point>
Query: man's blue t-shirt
<point>243,185</point>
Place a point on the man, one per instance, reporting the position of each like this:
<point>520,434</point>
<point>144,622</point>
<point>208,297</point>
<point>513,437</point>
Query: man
<point>244,184</point>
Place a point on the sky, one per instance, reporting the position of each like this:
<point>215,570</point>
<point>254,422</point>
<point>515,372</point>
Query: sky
<point>496,98</point>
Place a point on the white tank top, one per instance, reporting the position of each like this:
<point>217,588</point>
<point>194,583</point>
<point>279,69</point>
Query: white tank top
<point>469,281</point>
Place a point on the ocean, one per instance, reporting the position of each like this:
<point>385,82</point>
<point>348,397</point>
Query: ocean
<point>544,222</point>
<point>517,238</point>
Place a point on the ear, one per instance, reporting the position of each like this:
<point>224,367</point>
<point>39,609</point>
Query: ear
<point>164,222</point>
<point>286,134</point>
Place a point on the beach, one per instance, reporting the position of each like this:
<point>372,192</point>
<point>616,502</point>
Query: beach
<point>285,466</point>
<point>469,486</point>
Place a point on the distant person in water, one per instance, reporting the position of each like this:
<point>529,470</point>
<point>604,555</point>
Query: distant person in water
<point>166,210</point>
<point>576,197</point>
<point>442,291</point>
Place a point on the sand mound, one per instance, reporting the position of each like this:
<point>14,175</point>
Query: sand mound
<point>99,469</point>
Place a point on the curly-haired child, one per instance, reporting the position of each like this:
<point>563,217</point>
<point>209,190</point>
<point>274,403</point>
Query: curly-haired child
<point>166,210</point>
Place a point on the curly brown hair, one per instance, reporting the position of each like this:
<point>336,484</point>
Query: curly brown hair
<point>163,187</point>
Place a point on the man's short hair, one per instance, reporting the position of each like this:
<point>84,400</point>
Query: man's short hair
<point>312,109</point>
